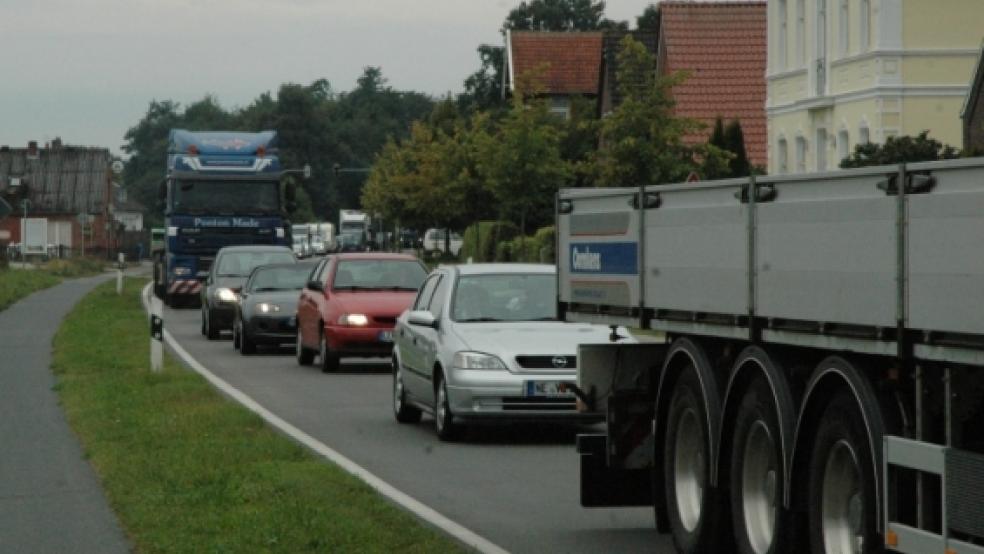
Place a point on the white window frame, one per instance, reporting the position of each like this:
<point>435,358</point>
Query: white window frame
<point>843,145</point>
<point>782,156</point>
<point>864,25</point>
<point>783,42</point>
<point>864,134</point>
<point>801,33</point>
<point>801,154</point>
<point>844,24</point>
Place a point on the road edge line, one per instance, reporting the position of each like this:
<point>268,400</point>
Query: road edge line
<point>421,510</point>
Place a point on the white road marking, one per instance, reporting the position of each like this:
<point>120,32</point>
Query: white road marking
<point>424,512</point>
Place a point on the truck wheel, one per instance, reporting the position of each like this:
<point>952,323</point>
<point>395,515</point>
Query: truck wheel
<point>756,474</point>
<point>693,509</point>
<point>444,424</point>
<point>405,413</point>
<point>842,485</point>
<point>304,356</point>
<point>329,360</point>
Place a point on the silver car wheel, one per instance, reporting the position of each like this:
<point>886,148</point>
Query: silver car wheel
<point>758,488</point>
<point>397,388</point>
<point>842,506</point>
<point>688,469</point>
<point>441,409</point>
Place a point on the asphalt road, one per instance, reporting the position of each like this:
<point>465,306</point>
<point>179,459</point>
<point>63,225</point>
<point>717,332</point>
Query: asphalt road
<point>516,486</point>
<point>50,499</point>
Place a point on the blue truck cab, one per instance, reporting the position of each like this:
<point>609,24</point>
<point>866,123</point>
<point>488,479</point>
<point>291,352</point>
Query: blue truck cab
<point>221,189</point>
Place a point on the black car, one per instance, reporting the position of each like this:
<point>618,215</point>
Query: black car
<point>232,266</point>
<point>267,308</point>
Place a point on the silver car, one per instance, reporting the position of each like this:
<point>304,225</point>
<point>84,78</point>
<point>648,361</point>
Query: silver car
<point>482,343</point>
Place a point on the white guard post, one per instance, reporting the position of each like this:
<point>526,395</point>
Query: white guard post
<point>156,335</point>
<point>120,265</point>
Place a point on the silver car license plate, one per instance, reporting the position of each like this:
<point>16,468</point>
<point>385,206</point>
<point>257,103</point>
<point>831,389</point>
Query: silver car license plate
<point>547,388</point>
<point>386,336</point>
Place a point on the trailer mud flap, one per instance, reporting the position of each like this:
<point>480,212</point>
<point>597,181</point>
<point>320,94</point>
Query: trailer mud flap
<point>606,487</point>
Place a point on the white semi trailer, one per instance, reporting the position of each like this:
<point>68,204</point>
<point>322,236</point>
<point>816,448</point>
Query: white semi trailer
<point>821,383</point>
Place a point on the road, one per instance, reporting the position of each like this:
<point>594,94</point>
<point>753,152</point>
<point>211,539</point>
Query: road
<point>515,486</point>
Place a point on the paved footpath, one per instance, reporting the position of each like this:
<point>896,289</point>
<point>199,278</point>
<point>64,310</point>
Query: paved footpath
<point>50,500</point>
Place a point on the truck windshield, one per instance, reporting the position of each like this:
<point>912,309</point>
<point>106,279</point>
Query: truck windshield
<point>226,197</point>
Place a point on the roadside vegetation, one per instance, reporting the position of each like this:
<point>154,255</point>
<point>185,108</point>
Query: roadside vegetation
<point>16,283</point>
<point>187,470</point>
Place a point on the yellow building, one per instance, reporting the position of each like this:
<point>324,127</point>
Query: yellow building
<point>844,72</point>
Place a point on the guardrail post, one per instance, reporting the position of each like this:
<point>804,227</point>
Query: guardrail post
<point>156,335</point>
<point>120,264</point>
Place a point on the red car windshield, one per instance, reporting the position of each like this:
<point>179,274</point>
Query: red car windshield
<point>378,275</point>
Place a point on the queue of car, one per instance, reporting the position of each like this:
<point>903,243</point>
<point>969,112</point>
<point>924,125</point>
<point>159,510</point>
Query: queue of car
<point>469,344</point>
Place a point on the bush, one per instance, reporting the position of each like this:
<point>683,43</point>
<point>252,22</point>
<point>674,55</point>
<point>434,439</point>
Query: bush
<point>479,239</point>
<point>536,249</point>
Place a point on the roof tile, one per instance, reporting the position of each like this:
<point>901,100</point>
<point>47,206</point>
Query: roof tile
<point>572,59</point>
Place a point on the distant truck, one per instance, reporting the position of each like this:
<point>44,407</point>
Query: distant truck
<point>220,189</point>
<point>820,387</point>
<point>300,239</point>
<point>354,223</point>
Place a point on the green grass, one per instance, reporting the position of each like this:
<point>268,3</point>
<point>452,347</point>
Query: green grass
<point>187,470</point>
<point>18,283</point>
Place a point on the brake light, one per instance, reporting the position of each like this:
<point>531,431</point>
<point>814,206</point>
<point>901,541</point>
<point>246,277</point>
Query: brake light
<point>192,150</point>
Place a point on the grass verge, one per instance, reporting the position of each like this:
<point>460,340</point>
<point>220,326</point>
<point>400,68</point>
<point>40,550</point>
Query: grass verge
<point>187,470</point>
<point>17,283</point>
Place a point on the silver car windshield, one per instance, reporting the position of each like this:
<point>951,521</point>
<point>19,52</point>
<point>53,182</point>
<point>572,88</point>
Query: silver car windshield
<point>505,297</point>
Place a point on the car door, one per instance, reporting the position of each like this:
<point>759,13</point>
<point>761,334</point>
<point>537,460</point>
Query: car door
<point>416,379</point>
<point>307,309</point>
<point>429,340</point>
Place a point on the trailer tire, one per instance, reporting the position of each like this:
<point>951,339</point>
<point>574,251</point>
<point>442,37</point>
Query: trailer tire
<point>692,507</point>
<point>842,496</point>
<point>756,476</point>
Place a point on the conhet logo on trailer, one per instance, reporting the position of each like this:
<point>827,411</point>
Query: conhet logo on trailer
<point>586,261</point>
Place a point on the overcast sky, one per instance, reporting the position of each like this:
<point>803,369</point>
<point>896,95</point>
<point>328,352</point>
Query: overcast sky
<point>85,70</point>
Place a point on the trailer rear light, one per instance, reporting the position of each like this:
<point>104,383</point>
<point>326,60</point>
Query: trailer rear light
<point>891,539</point>
<point>260,151</point>
<point>192,150</point>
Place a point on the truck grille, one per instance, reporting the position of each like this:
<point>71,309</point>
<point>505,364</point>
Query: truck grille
<point>546,362</point>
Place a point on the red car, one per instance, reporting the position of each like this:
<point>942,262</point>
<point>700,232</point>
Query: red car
<point>351,303</point>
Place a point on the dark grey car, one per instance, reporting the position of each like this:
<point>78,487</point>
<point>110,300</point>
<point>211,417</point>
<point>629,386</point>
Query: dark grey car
<point>232,266</point>
<point>267,308</point>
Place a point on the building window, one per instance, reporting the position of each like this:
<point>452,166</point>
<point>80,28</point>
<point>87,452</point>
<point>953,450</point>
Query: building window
<point>821,149</point>
<point>560,106</point>
<point>782,156</point>
<point>782,36</point>
<point>863,136</point>
<point>800,154</point>
<point>821,54</point>
<point>844,34</point>
<point>843,145</point>
<point>864,22</point>
<point>801,33</point>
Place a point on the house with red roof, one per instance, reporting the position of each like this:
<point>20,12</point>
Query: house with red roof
<point>566,64</point>
<point>723,47</point>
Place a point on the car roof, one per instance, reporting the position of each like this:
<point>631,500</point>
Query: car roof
<point>254,248</point>
<point>374,256</point>
<point>498,268</point>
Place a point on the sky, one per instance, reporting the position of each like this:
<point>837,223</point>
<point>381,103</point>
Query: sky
<point>86,70</point>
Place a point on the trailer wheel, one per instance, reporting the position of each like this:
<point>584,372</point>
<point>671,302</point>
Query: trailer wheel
<point>842,486</point>
<point>756,473</point>
<point>692,507</point>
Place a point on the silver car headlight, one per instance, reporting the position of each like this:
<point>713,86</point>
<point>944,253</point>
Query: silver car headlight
<point>225,295</point>
<point>477,360</point>
<point>266,308</point>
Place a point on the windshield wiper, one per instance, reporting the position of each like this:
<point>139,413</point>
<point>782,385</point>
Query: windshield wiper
<point>479,319</point>
<point>396,287</point>
<point>547,318</point>
<point>268,289</point>
<point>353,287</point>
<point>229,275</point>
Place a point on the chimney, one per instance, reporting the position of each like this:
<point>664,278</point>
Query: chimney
<point>32,149</point>
<point>56,144</point>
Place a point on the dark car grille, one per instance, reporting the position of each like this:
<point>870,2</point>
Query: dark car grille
<point>546,362</point>
<point>384,320</point>
<point>539,403</point>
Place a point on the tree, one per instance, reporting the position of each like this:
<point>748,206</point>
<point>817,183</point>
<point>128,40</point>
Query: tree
<point>642,141</point>
<point>898,150</point>
<point>522,162</point>
<point>560,15</point>
<point>649,19</point>
<point>483,89</point>
<point>734,140</point>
